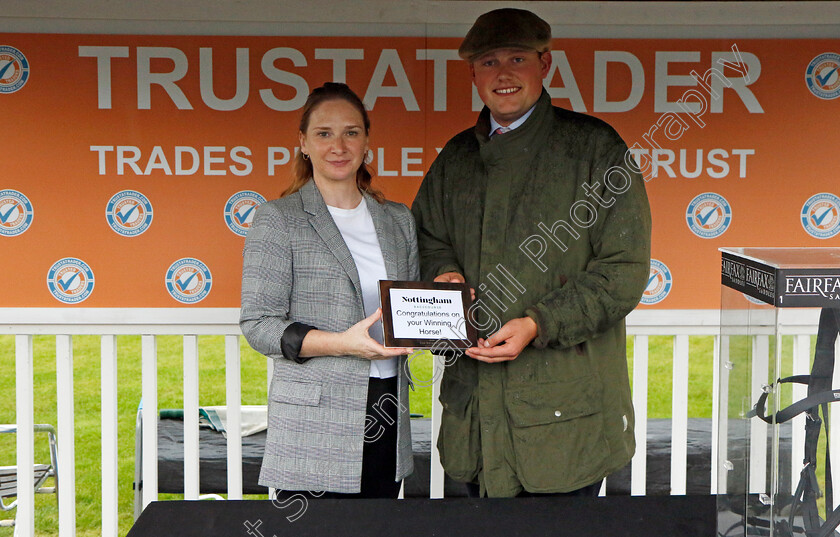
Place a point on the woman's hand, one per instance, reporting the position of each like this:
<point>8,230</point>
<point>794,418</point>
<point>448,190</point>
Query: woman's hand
<point>357,341</point>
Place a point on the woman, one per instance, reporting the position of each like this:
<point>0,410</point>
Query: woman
<point>338,416</point>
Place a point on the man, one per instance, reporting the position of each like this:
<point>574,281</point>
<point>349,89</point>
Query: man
<point>544,213</point>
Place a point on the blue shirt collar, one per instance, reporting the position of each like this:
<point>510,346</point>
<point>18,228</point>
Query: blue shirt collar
<point>495,124</point>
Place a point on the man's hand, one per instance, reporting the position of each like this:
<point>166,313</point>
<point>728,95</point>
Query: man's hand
<point>454,277</point>
<point>507,343</point>
<point>451,277</point>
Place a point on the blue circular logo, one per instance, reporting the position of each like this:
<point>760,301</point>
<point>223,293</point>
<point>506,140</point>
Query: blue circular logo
<point>129,213</point>
<point>659,283</point>
<point>70,280</point>
<point>188,280</point>
<point>823,76</point>
<point>15,213</point>
<point>14,69</point>
<point>708,215</point>
<point>819,215</point>
<point>239,211</point>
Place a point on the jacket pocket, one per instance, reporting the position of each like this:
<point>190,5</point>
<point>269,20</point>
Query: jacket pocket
<point>455,396</point>
<point>296,393</point>
<point>558,433</point>
<point>553,402</point>
<point>458,442</point>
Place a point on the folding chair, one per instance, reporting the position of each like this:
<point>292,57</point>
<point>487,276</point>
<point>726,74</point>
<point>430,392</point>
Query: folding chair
<point>9,477</point>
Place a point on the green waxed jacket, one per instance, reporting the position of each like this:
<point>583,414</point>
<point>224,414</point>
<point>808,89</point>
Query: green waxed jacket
<point>546,221</point>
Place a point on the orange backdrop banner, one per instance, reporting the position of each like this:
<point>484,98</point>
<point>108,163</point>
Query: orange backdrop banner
<point>132,164</point>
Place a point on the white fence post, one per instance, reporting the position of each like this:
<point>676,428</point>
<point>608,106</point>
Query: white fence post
<point>191,404</point>
<point>801,366</point>
<point>758,428</point>
<point>722,442</point>
<point>110,463</point>
<point>679,416</point>
<point>715,412</point>
<point>148,352</point>
<point>638,467</point>
<point>436,476</point>
<point>25,419</point>
<point>66,431</point>
<point>234,419</point>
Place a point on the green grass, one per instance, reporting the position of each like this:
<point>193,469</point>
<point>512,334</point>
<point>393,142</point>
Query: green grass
<point>212,392</point>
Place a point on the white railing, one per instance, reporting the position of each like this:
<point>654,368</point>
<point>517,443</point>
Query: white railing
<point>24,323</point>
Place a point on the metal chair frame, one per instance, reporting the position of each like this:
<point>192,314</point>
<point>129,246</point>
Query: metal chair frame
<point>8,474</point>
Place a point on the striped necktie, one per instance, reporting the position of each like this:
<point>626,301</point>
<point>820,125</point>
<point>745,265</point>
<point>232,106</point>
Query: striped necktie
<point>500,130</point>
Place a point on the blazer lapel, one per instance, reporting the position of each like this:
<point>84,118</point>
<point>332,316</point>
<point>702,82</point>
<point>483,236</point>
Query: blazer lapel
<point>386,232</point>
<point>322,222</point>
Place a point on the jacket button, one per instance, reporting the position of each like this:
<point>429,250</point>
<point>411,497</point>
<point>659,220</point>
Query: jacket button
<point>558,413</point>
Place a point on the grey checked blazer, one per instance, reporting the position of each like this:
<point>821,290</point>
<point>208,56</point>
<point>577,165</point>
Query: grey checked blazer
<point>298,268</point>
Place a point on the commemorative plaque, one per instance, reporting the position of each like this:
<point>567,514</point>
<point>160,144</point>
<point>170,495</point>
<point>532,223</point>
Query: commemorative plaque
<point>426,315</point>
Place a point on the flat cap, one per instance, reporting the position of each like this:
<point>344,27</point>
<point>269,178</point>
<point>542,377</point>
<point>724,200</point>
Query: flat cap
<point>506,28</point>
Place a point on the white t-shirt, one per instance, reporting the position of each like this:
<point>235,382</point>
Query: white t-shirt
<point>356,227</point>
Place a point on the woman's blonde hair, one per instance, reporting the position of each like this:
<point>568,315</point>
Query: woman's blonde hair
<point>302,168</point>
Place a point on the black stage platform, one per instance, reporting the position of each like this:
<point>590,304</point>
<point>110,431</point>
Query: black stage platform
<point>613,516</point>
<point>213,452</point>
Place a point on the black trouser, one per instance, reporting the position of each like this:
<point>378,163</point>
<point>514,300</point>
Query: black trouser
<point>589,491</point>
<point>379,454</point>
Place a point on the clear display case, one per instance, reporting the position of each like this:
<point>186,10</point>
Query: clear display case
<point>780,313</point>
